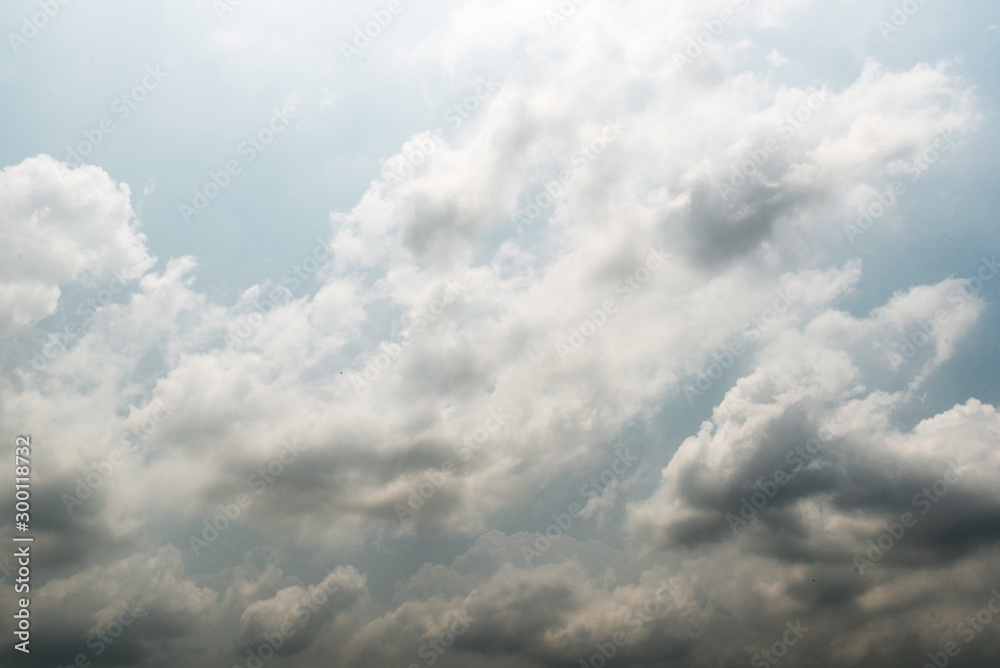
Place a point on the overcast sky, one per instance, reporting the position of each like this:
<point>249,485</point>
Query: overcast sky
<point>503,333</point>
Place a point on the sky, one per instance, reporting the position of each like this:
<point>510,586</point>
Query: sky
<point>501,333</point>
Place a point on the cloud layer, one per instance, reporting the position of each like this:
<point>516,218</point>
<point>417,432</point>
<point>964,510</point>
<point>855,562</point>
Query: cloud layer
<point>434,440</point>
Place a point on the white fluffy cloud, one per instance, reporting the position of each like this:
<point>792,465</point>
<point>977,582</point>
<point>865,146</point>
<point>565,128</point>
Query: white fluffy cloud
<point>561,269</point>
<point>61,225</point>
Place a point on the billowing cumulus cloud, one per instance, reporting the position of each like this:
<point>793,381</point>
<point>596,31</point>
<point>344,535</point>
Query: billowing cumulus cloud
<point>62,225</point>
<point>602,365</point>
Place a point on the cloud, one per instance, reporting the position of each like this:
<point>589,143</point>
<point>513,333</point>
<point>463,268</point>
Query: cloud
<point>449,374</point>
<point>834,376</point>
<point>61,225</point>
<point>776,59</point>
<point>83,608</point>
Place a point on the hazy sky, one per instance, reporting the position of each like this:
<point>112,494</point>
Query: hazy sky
<point>503,333</point>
